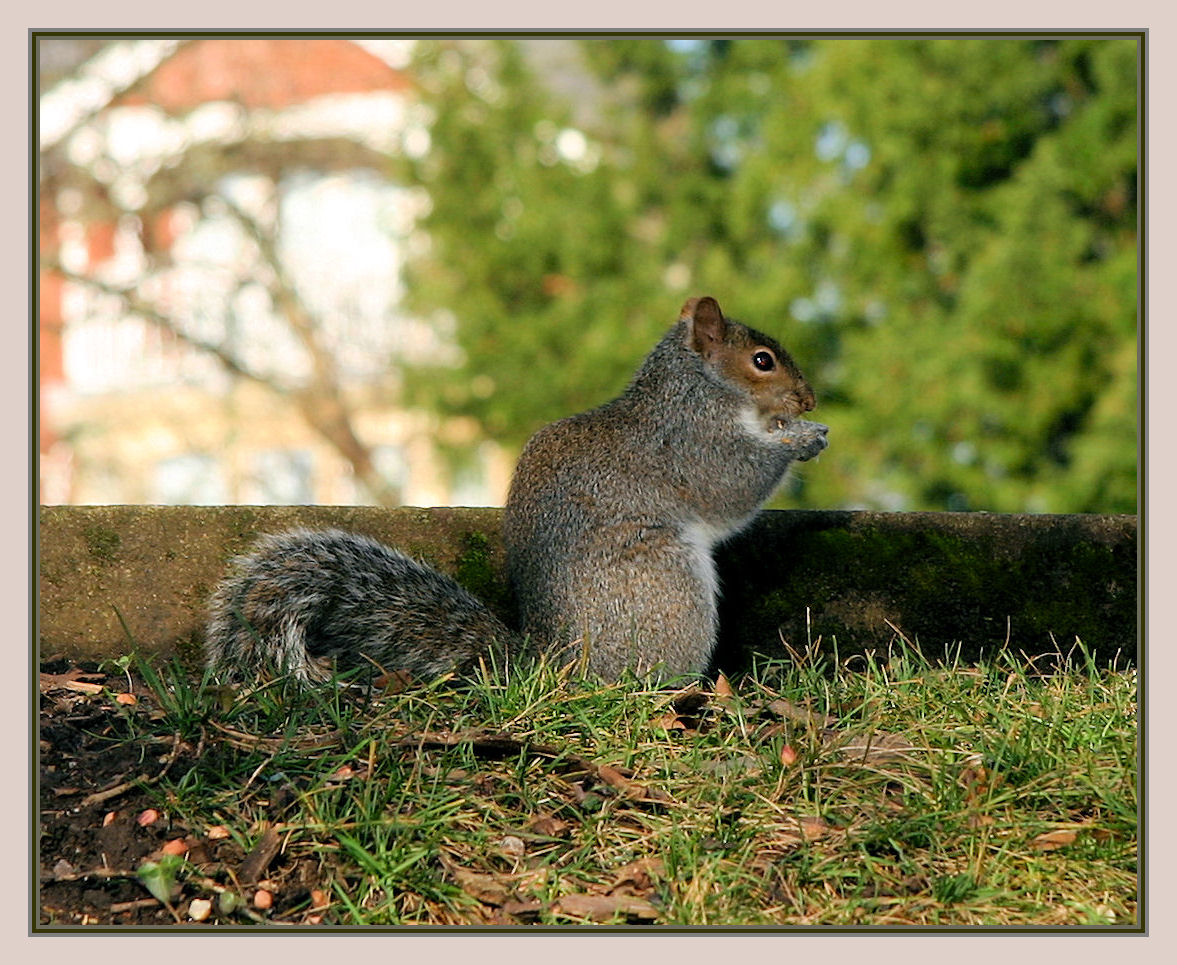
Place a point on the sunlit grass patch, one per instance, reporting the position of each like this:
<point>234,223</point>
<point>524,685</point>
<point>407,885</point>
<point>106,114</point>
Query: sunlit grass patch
<point>891,791</point>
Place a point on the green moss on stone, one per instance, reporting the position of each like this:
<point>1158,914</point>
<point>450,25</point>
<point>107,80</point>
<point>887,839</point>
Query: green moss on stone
<point>421,552</point>
<point>476,571</point>
<point>102,542</point>
<point>975,583</point>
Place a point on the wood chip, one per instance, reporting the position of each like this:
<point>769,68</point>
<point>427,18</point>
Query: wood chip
<point>527,911</point>
<point>258,860</point>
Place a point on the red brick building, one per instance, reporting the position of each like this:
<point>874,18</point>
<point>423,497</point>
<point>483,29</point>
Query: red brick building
<point>332,88</point>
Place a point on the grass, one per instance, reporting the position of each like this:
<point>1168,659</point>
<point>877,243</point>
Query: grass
<point>875,792</point>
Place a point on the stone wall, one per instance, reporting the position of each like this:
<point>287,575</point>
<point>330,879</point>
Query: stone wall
<point>117,578</point>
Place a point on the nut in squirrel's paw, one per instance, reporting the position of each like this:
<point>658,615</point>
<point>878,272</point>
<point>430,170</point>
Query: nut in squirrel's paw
<point>794,429</point>
<point>807,439</point>
<point>780,423</point>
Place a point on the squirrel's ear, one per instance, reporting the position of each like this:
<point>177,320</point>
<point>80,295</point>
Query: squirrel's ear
<point>706,323</point>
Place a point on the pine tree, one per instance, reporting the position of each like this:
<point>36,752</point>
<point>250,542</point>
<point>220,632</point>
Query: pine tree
<point>941,230</point>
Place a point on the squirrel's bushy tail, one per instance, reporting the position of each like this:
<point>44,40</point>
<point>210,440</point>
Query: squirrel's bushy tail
<point>304,600</point>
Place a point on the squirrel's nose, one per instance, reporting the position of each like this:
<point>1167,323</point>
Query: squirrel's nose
<point>806,397</point>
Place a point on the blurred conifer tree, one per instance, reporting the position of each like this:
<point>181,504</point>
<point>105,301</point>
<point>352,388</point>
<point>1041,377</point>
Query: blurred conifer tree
<point>941,229</point>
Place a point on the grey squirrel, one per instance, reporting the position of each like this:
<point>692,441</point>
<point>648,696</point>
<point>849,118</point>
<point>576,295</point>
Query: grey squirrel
<point>609,528</point>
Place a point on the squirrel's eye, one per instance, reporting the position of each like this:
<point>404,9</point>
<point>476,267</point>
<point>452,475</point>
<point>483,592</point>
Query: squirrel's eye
<point>764,361</point>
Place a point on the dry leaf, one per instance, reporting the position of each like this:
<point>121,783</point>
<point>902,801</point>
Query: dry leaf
<point>605,907</point>
<point>631,790</point>
<point>868,747</point>
<point>638,875</point>
<point>723,689</point>
<point>690,701</point>
<point>395,681</point>
<point>486,888</point>
<point>670,721</point>
<point>1053,840</point>
<point>71,680</point>
<point>979,782</point>
<point>613,777</point>
<point>548,825</point>
<point>512,846</point>
<point>82,687</point>
<point>812,828</point>
<point>800,714</point>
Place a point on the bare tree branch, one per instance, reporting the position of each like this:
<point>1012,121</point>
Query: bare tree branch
<point>195,177</point>
<point>114,94</point>
<point>321,403</point>
<point>137,306</point>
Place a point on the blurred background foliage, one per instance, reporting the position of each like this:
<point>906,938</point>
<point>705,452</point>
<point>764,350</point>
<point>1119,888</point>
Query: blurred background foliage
<point>942,230</point>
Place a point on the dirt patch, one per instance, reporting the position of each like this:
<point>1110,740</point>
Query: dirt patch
<point>103,814</point>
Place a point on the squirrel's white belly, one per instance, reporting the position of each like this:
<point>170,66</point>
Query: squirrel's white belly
<point>752,424</point>
<point>700,539</point>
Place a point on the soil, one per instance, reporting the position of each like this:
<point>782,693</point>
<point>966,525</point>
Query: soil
<point>103,815</point>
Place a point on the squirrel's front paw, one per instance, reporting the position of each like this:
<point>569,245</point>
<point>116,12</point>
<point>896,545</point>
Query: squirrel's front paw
<point>805,438</point>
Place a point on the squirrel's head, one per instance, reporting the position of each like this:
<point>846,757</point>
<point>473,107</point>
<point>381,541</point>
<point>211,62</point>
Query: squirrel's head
<point>749,360</point>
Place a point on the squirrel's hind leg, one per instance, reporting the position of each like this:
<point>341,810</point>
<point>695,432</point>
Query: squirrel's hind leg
<point>649,608</point>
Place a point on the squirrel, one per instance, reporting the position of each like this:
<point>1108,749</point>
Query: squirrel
<point>609,527</point>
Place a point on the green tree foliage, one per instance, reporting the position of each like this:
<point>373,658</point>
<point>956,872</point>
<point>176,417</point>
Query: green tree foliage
<point>530,257</point>
<point>942,231</point>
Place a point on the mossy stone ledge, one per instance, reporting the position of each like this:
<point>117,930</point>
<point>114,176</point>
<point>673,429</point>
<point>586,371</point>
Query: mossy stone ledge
<point>950,583</point>
<point>117,578</point>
